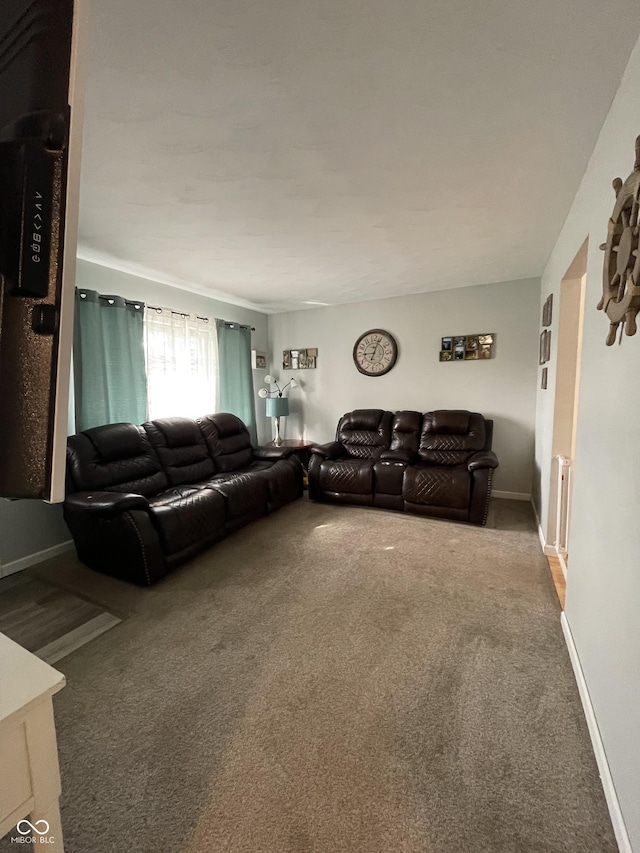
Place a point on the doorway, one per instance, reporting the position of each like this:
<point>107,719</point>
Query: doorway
<point>567,387</point>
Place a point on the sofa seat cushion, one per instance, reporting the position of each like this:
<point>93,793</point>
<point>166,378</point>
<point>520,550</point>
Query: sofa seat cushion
<point>348,476</point>
<point>446,487</point>
<point>256,467</point>
<point>186,515</point>
<point>285,481</point>
<point>245,492</point>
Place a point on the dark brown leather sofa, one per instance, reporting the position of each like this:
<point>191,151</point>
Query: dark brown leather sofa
<point>143,499</point>
<point>438,464</point>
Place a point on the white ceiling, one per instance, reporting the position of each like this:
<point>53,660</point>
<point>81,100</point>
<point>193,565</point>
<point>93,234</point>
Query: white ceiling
<point>280,151</point>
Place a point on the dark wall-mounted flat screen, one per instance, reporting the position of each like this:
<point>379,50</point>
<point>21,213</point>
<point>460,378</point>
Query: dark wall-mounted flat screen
<point>41,44</point>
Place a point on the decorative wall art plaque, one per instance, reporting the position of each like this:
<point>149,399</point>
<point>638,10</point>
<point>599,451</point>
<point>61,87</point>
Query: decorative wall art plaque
<point>621,272</point>
<point>299,359</point>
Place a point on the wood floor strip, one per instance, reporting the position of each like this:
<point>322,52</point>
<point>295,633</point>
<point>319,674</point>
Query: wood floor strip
<point>58,649</point>
<point>558,578</point>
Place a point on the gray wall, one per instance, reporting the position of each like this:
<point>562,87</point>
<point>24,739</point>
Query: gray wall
<point>603,584</point>
<point>28,527</point>
<point>503,388</point>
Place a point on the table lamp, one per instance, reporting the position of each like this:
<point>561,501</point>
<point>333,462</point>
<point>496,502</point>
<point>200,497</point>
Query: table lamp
<point>277,404</point>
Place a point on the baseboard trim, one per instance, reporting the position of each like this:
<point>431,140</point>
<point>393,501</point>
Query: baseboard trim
<point>547,550</point>
<point>511,496</point>
<point>617,820</point>
<point>535,512</point>
<point>34,559</point>
<point>552,551</point>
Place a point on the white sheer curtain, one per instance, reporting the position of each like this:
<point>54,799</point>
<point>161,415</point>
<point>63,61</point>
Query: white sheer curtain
<point>182,364</point>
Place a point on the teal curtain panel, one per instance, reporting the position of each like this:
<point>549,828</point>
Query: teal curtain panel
<point>108,360</point>
<point>236,377</point>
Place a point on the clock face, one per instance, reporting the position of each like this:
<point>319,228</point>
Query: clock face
<point>375,352</point>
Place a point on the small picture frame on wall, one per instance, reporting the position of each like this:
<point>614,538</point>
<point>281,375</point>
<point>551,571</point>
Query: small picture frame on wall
<point>547,311</point>
<point>258,360</point>
<point>543,380</point>
<point>446,346</point>
<point>446,355</point>
<point>543,345</point>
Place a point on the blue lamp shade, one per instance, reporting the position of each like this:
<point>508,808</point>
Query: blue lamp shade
<point>277,407</point>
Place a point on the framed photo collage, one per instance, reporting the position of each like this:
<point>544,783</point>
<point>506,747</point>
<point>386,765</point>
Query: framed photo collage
<point>467,347</point>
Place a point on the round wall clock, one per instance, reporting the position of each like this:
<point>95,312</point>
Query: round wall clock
<point>375,352</point>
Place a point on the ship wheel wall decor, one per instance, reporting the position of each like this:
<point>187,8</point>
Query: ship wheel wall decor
<point>621,273</point>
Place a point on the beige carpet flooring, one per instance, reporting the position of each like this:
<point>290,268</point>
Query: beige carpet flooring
<point>332,679</point>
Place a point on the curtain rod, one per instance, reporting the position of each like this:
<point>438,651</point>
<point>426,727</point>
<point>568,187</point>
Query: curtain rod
<point>239,325</point>
<point>205,319</point>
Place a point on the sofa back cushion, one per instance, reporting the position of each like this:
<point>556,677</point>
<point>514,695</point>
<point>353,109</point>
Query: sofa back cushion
<point>405,431</point>
<point>450,437</point>
<point>227,440</point>
<point>365,433</point>
<point>181,449</point>
<point>114,458</point>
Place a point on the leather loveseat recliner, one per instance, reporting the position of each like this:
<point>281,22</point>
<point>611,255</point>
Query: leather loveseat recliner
<point>143,499</point>
<point>438,464</point>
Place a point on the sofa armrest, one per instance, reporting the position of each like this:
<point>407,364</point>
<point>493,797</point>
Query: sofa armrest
<point>328,451</point>
<point>483,459</point>
<point>397,456</point>
<point>115,534</point>
<point>106,503</point>
<point>272,453</point>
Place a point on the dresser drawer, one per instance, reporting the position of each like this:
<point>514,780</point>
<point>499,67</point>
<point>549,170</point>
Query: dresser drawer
<point>15,785</point>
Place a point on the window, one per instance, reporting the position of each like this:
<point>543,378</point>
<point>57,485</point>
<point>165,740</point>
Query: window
<point>182,364</point>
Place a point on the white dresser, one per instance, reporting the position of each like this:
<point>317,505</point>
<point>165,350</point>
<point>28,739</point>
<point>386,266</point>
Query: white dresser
<point>29,772</point>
